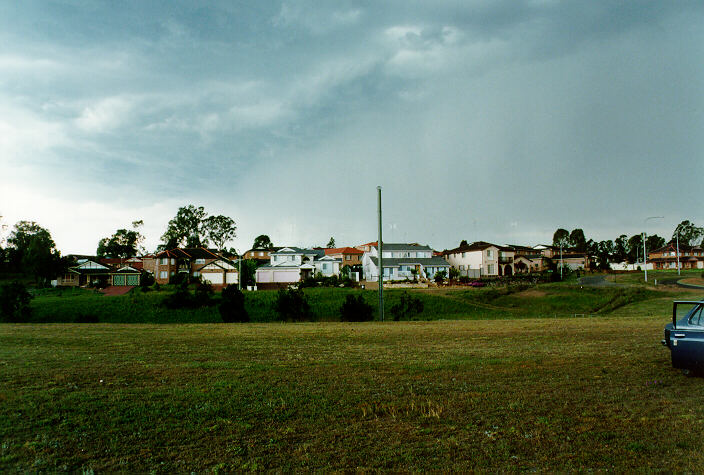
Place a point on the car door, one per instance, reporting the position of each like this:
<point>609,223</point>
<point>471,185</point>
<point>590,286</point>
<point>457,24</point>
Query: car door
<point>688,341</point>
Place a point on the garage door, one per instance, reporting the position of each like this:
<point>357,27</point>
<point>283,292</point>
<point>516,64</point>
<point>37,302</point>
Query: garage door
<point>214,278</point>
<point>231,278</point>
<point>287,276</point>
<point>118,280</point>
<point>133,279</point>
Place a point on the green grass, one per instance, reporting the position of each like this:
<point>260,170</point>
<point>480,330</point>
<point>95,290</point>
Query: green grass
<point>546,300</point>
<point>496,395</point>
<point>653,275</point>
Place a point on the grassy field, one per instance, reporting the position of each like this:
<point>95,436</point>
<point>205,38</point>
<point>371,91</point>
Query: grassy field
<point>545,300</point>
<point>554,394</point>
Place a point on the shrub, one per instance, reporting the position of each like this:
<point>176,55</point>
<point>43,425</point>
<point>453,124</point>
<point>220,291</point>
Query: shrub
<point>232,305</point>
<point>407,307</point>
<point>203,293</point>
<point>178,278</point>
<point>181,298</point>
<point>292,306</point>
<point>440,277</point>
<point>355,309</point>
<point>146,280</point>
<point>464,279</point>
<point>14,303</point>
<point>454,273</point>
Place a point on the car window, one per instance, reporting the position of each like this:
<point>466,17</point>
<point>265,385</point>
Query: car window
<point>695,318</point>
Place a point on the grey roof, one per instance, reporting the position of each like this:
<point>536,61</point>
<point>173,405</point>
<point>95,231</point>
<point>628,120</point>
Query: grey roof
<point>388,246</point>
<point>298,250</point>
<point>424,261</point>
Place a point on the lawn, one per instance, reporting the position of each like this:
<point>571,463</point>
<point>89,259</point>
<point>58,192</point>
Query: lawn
<point>510,394</point>
<point>517,301</point>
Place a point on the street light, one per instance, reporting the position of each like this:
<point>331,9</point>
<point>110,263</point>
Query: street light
<point>645,252</point>
<point>678,251</point>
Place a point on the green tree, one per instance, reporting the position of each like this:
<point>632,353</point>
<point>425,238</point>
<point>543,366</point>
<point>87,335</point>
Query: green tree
<point>292,305</point>
<point>689,233</point>
<point>604,254</point>
<point>33,251</point>
<point>635,248</point>
<point>231,307</point>
<point>561,237</point>
<point>578,241</point>
<point>14,302</point>
<point>654,242</point>
<point>220,229</point>
<point>355,309</point>
<point>463,242</point>
<point>262,242</point>
<point>249,271</point>
<point>124,243</point>
<point>621,248</point>
<point>331,243</point>
<point>186,228</point>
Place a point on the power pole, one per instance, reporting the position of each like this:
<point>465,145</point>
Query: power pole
<point>381,260</point>
<point>678,253</point>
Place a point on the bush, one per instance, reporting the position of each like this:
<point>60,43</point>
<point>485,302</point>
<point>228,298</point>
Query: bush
<point>407,308</point>
<point>181,298</point>
<point>355,309</point>
<point>292,305</point>
<point>146,280</point>
<point>14,303</point>
<point>203,293</point>
<point>440,277</point>
<point>178,278</point>
<point>464,279</point>
<point>232,305</point>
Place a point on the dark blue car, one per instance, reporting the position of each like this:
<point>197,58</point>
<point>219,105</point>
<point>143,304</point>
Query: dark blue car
<point>685,336</point>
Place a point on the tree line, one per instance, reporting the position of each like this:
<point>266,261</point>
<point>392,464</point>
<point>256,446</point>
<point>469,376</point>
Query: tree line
<point>625,248</point>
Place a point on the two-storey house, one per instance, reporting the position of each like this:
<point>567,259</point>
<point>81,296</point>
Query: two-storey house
<point>481,259</point>
<point>402,261</point>
<point>690,257</point>
<point>196,262</point>
<point>289,265</point>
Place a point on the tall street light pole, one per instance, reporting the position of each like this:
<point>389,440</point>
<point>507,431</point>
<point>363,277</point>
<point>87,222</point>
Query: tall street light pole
<point>645,252</point>
<point>381,259</point>
<point>678,252</point>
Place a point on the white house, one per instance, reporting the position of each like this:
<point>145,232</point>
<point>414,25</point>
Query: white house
<point>292,264</point>
<point>481,259</point>
<point>401,260</point>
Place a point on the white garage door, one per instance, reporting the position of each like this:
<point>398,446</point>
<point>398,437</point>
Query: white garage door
<point>284,276</point>
<point>264,276</point>
<point>231,278</point>
<point>214,278</point>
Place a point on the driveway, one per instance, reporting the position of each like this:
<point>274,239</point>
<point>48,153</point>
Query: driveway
<point>117,289</point>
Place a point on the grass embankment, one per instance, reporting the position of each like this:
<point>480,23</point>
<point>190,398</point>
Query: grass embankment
<point>661,276</point>
<point>547,300</point>
<point>412,396</point>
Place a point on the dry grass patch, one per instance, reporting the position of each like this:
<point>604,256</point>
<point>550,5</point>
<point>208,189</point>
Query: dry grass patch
<point>413,396</point>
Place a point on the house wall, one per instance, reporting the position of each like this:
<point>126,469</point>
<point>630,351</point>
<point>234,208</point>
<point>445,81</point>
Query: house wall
<point>274,275</point>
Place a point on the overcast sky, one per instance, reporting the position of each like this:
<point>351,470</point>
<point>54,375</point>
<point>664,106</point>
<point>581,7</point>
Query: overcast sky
<point>482,120</point>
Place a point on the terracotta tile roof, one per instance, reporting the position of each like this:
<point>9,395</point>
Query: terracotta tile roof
<point>343,250</point>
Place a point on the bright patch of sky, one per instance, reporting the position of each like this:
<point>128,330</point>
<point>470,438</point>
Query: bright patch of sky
<point>482,120</point>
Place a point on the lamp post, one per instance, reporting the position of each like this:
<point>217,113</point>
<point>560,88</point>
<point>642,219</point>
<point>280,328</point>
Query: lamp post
<point>678,252</point>
<point>645,252</point>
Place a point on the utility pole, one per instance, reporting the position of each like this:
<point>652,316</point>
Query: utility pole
<point>239,271</point>
<point>561,264</point>
<point>381,260</point>
<point>678,252</point>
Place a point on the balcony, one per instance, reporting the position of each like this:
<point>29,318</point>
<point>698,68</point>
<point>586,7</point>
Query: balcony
<point>505,260</point>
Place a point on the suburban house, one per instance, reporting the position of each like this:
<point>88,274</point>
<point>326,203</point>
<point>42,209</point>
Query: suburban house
<point>92,272</point>
<point>289,265</point>
<point>260,254</point>
<point>482,259</point>
<point>570,257</point>
<point>401,261</point>
<point>194,262</point>
<point>349,256</point>
<point>690,257</point>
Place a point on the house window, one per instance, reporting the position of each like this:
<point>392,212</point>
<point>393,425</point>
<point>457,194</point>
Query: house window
<point>173,262</point>
<point>163,275</point>
<point>490,269</point>
<point>326,266</point>
<point>276,258</point>
<point>463,255</point>
<point>489,253</point>
<point>200,261</point>
<point>348,258</point>
<point>196,274</point>
<point>261,254</point>
<point>164,261</point>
